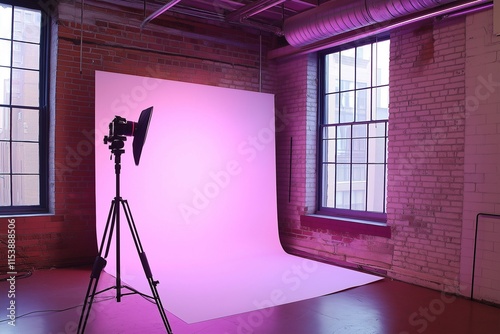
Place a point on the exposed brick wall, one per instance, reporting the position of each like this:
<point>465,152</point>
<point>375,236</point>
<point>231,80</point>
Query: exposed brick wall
<point>296,97</point>
<point>293,136</point>
<point>426,151</point>
<point>444,155</point>
<point>482,158</point>
<point>223,56</point>
<point>443,160</point>
<point>426,162</point>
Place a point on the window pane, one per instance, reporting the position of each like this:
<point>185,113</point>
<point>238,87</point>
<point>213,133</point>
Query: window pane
<point>347,67</point>
<point>4,85</point>
<point>359,173</point>
<point>25,157</point>
<point>380,106</point>
<point>376,187</point>
<point>4,189</point>
<point>347,107</point>
<point>359,150</point>
<point>4,157</point>
<point>363,66</point>
<point>25,125</point>
<point>25,190</point>
<point>344,144</point>
<point>376,153</point>
<point>344,131</point>
<point>329,150</point>
<point>342,199</point>
<point>329,132</point>
<point>377,130</point>
<point>343,174</point>
<point>328,185</point>
<point>381,54</point>
<point>363,105</point>
<point>5,21</point>
<point>25,88</point>
<point>332,73</point>
<point>358,197</point>
<point>5,52</point>
<point>359,131</point>
<point>344,150</point>
<point>27,25</point>
<point>332,109</point>
<point>4,124</point>
<point>26,55</point>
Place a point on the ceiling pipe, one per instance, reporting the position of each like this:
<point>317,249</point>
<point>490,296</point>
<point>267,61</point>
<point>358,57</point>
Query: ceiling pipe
<point>160,11</point>
<point>252,9</point>
<point>470,10</point>
<point>340,16</point>
<point>361,33</point>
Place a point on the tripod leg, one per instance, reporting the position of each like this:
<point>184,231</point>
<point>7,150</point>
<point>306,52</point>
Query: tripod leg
<point>97,268</point>
<point>154,291</point>
<point>145,265</point>
<point>99,264</point>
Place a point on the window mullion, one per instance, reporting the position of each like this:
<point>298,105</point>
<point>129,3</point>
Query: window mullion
<point>11,111</point>
<point>367,165</point>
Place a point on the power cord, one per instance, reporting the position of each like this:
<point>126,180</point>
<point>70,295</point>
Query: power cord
<point>98,300</point>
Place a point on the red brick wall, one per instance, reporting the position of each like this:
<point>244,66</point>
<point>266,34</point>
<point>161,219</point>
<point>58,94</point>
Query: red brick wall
<point>294,131</point>
<point>220,56</point>
<point>296,98</point>
<point>426,151</point>
<point>426,161</point>
<point>482,158</point>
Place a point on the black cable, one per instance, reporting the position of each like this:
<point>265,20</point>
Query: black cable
<point>57,311</point>
<point>18,276</point>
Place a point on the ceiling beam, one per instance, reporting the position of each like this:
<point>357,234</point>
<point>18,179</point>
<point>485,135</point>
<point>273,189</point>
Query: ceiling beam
<point>160,11</point>
<point>252,9</point>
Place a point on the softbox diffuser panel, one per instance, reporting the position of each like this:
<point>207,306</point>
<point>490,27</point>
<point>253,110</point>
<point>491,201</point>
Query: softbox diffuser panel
<point>203,199</point>
<point>141,133</point>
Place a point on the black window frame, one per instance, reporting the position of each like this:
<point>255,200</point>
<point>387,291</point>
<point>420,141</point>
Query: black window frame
<point>347,214</point>
<point>44,118</point>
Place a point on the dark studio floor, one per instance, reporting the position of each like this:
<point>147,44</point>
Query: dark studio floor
<point>382,307</point>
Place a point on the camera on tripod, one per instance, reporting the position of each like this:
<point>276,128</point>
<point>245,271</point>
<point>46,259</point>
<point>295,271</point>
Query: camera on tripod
<point>120,129</point>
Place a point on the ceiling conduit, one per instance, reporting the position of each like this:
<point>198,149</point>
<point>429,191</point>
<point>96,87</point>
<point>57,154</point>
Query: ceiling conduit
<point>339,16</point>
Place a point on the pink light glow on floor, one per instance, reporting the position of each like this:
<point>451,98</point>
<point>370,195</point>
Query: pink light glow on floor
<point>203,199</point>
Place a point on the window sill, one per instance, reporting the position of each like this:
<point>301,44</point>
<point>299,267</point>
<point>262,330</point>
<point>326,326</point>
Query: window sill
<point>346,225</point>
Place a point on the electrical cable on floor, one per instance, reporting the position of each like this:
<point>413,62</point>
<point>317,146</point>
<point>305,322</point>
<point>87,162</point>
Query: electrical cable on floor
<point>19,275</point>
<point>100,300</point>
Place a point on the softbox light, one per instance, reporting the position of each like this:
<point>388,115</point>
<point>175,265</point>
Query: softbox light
<point>140,133</point>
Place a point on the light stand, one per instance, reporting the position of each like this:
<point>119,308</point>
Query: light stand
<point>113,224</point>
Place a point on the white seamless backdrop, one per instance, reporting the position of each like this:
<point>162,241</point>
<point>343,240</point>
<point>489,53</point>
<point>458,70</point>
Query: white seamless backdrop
<point>203,199</point>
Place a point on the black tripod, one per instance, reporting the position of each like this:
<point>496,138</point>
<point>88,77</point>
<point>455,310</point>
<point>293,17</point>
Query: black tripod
<point>113,223</point>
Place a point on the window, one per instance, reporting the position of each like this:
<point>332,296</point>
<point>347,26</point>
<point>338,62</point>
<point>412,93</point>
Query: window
<point>354,110</point>
<point>23,112</point>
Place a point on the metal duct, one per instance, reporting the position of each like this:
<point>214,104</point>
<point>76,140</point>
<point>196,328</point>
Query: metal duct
<point>339,16</point>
